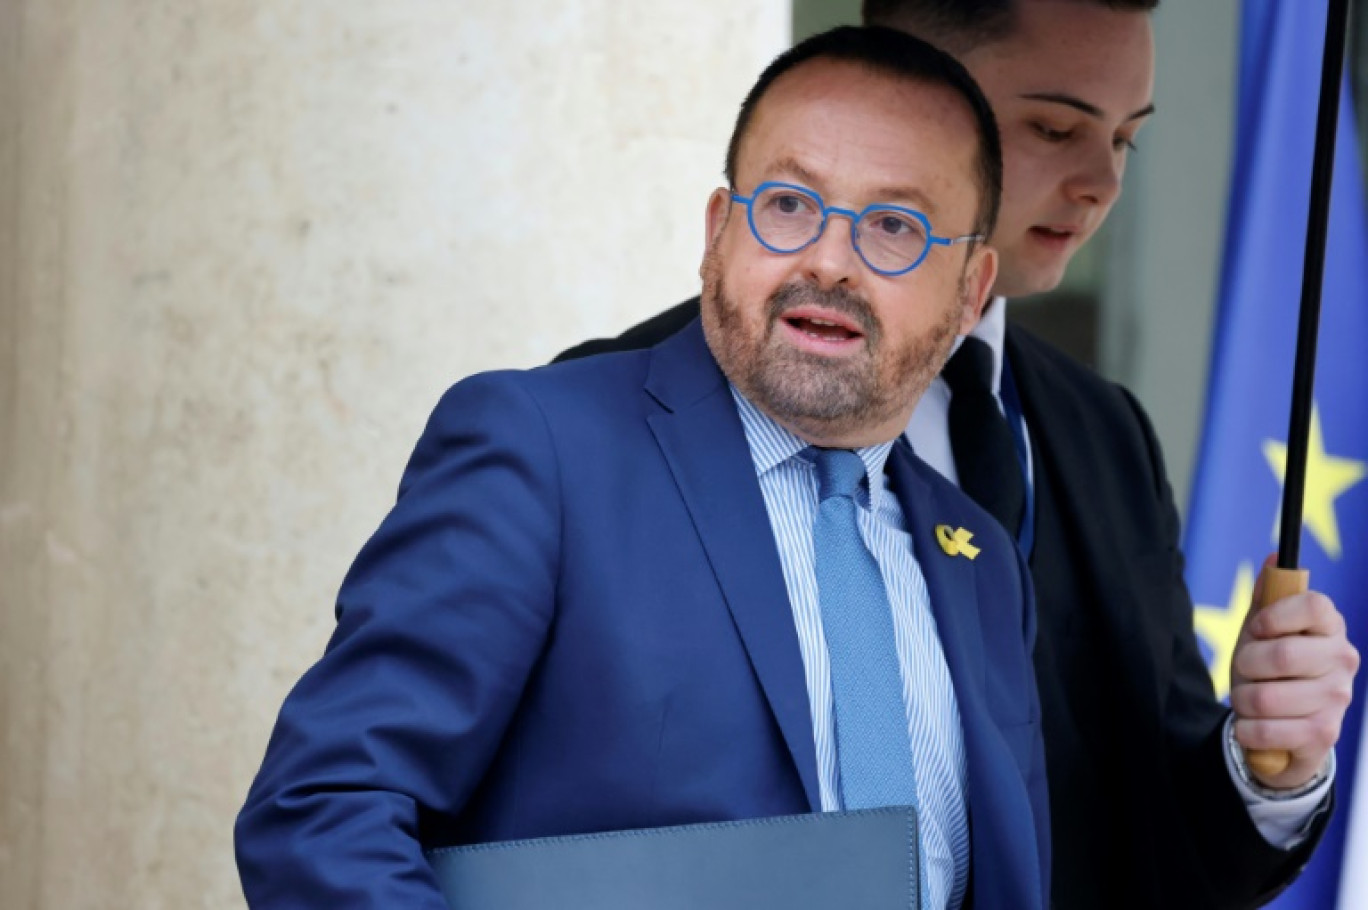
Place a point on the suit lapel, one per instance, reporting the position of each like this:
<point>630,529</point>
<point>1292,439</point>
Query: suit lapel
<point>1004,865</point>
<point>704,444</point>
<point>1059,445</point>
<point>950,582</point>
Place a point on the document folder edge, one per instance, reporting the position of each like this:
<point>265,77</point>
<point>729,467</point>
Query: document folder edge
<point>531,846</point>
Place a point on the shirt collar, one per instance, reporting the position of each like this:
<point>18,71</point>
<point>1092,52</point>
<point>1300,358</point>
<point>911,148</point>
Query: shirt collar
<point>771,445</point>
<point>992,331</point>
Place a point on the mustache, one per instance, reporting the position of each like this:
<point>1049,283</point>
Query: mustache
<point>839,299</point>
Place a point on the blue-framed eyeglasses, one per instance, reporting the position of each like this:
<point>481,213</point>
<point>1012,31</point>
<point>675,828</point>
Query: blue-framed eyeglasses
<point>891,239</point>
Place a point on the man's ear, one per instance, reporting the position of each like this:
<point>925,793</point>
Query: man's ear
<point>715,220</point>
<point>980,270</point>
<point>719,209</point>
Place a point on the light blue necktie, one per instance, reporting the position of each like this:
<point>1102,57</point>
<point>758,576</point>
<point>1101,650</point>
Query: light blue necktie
<point>873,750</point>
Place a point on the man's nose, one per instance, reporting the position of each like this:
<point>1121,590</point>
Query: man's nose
<point>831,259</point>
<point>1097,178</point>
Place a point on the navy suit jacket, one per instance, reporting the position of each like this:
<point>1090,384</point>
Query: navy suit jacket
<point>575,620</point>
<point>1124,690</point>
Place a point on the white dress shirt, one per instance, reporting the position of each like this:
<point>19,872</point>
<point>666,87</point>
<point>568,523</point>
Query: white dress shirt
<point>1282,822</point>
<point>788,482</point>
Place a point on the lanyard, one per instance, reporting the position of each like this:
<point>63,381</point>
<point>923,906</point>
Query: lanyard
<point>1011,406</point>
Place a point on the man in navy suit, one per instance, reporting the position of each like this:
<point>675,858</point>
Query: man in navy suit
<point>601,600</point>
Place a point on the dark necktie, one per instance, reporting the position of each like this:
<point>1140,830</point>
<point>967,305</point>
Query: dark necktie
<point>873,751</point>
<point>982,442</point>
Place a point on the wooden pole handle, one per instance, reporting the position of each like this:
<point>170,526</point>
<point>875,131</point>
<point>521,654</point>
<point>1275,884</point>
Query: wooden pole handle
<point>1276,584</point>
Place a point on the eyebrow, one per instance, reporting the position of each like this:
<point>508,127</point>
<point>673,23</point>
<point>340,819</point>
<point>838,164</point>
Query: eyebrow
<point>1079,104</point>
<point>791,168</point>
<point>903,194</point>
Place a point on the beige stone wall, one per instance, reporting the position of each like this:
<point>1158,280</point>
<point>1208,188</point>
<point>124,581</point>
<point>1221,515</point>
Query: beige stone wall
<point>244,245</point>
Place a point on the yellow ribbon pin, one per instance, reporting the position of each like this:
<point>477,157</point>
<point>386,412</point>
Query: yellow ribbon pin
<point>955,542</point>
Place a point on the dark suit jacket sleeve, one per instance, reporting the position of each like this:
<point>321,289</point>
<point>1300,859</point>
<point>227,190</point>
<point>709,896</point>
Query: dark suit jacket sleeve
<point>642,335</point>
<point>439,622</point>
<point>1037,780</point>
<point>1241,866</point>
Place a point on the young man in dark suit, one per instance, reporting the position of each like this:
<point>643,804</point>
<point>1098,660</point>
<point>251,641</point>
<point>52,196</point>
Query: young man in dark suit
<point>1152,804</point>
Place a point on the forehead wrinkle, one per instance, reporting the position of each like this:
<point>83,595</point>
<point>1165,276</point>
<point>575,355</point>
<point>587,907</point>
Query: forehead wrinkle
<point>789,166</point>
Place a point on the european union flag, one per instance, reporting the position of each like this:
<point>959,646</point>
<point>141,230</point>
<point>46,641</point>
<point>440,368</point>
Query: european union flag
<point>1236,496</point>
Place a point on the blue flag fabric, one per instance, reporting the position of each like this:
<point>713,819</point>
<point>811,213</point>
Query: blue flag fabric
<point>1238,485</point>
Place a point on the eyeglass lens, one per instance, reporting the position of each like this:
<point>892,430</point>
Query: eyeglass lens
<point>788,220</point>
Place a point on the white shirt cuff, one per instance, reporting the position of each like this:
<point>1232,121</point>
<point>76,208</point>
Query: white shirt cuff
<point>1285,822</point>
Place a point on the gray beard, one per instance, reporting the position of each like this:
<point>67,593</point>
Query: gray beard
<point>810,393</point>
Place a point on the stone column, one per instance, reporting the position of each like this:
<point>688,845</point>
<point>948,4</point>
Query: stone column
<point>244,246</point>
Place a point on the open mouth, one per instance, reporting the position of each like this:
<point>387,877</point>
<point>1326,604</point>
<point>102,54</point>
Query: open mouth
<point>1054,234</point>
<point>822,332</point>
<point>822,329</point>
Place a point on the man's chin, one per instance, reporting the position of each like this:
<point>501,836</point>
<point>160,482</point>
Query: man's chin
<point>1024,269</point>
<point>1028,283</point>
<point>801,388</point>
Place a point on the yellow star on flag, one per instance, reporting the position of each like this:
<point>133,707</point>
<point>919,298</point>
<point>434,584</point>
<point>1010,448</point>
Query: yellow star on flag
<point>1327,478</point>
<point>1220,626</point>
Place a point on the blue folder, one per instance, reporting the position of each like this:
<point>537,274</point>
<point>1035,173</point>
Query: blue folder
<point>823,861</point>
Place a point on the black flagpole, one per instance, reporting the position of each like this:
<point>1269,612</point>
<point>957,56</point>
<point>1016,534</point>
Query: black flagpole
<point>1313,269</point>
<point>1287,578</point>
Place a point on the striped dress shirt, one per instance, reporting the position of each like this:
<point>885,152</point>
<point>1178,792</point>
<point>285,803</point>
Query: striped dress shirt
<point>789,484</point>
